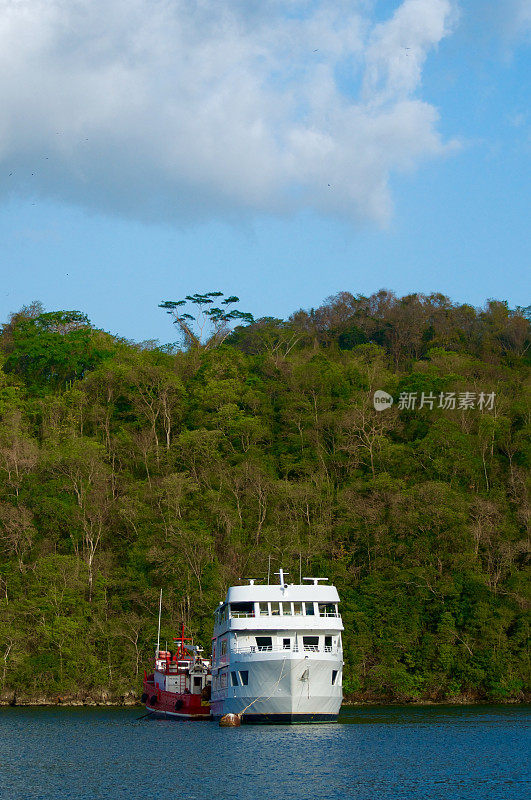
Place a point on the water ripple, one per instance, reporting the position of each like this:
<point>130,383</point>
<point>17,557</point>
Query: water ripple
<point>391,753</point>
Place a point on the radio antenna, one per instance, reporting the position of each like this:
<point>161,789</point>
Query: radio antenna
<point>158,634</point>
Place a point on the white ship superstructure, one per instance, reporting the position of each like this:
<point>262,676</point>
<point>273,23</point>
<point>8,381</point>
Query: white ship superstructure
<point>277,654</point>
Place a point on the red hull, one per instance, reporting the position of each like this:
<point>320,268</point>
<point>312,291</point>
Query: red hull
<point>172,704</point>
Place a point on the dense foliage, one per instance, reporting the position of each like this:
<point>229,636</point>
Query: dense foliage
<point>126,468</point>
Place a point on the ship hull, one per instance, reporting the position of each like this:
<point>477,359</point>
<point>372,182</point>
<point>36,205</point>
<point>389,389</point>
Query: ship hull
<point>285,719</point>
<point>175,705</point>
<point>161,714</point>
<point>282,688</point>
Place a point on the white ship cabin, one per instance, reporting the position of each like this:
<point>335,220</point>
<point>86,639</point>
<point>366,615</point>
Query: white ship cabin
<point>301,618</point>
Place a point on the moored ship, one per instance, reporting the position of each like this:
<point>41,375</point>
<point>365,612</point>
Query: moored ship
<point>180,683</point>
<point>277,653</point>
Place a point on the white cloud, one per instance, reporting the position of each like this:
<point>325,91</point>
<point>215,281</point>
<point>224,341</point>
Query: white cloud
<point>398,48</point>
<point>178,110</point>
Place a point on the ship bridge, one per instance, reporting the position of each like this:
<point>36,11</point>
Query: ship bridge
<point>279,606</point>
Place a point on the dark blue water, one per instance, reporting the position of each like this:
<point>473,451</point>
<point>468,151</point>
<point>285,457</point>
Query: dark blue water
<point>372,754</point>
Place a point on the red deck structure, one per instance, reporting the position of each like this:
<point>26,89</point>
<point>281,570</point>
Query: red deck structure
<point>179,686</point>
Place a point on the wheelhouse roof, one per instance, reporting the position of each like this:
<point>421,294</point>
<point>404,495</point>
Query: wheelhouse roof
<point>256,593</point>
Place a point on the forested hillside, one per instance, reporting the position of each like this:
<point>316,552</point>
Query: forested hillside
<point>125,468</point>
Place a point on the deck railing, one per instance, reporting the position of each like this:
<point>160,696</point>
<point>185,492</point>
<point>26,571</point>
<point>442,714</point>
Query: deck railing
<point>251,614</point>
<point>241,614</point>
<point>278,648</point>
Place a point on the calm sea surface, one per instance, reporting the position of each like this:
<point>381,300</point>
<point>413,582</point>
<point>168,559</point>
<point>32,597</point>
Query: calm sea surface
<point>372,754</point>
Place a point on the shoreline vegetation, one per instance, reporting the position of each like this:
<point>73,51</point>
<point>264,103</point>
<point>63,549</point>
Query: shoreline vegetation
<point>126,468</point>
<point>133,700</point>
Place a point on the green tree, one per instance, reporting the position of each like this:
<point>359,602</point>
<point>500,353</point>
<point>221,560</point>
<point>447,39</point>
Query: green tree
<point>211,324</point>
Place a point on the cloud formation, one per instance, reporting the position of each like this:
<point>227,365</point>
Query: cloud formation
<point>186,110</point>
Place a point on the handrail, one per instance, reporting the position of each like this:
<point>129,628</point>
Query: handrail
<point>252,615</point>
<point>172,668</point>
<point>277,648</point>
<point>241,614</point>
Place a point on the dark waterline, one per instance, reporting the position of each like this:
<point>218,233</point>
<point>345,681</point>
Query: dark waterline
<point>373,753</point>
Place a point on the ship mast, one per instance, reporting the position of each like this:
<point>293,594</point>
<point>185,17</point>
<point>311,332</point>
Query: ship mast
<point>158,634</point>
<point>181,651</point>
<point>281,574</point>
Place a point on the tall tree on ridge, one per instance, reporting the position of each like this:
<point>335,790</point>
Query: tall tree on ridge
<point>211,325</point>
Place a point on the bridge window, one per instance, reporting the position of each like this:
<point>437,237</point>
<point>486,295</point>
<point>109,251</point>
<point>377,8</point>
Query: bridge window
<point>310,610</point>
<point>234,679</point>
<point>311,643</point>
<point>286,609</point>
<point>286,644</point>
<point>297,609</point>
<point>275,609</point>
<point>264,642</point>
<point>244,676</point>
<point>334,676</point>
<point>242,609</point>
<point>264,610</point>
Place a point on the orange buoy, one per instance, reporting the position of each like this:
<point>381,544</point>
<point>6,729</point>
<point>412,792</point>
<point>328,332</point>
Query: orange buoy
<point>230,721</point>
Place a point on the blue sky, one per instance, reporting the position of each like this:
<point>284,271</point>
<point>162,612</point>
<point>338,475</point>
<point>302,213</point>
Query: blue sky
<point>280,151</point>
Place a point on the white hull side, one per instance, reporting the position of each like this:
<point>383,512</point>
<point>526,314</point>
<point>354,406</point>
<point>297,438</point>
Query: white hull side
<point>283,685</point>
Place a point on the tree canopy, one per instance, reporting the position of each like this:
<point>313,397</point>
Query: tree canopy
<point>125,469</point>
<point>211,325</point>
